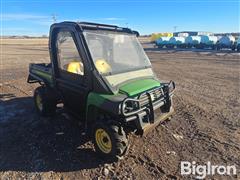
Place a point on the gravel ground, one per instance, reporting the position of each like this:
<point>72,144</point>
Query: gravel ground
<point>205,126</point>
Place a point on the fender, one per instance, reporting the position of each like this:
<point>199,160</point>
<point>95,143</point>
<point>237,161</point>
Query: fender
<point>105,102</point>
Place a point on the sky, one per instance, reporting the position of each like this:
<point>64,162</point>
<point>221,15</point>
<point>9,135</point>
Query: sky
<point>34,17</point>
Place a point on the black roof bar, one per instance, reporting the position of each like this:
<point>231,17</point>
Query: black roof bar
<point>97,25</point>
<point>103,26</point>
<point>90,25</point>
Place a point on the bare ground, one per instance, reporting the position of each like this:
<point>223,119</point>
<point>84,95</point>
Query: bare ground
<point>205,126</point>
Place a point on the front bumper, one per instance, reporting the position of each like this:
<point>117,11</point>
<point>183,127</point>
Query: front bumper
<point>156,106</point>
<point>164,116</point>
<point>151,116</point>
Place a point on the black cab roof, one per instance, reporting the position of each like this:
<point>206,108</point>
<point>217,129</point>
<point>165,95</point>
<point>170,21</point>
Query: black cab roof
<point>97,26</point>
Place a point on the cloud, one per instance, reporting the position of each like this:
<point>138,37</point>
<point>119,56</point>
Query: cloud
<point>25,24</point>
<point>47,19</point>
<point>112,19</point>
<point>16,17</point>
<point>42,20</point>
<point>28,24</point>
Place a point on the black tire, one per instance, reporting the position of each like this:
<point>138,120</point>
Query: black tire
<point>47,104</point>
<point>117,138</point>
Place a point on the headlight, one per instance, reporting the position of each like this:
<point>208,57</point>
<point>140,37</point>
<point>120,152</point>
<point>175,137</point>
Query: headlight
<point>130,106</point>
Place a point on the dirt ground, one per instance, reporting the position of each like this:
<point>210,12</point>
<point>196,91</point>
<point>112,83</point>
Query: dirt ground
<point>205,126</point>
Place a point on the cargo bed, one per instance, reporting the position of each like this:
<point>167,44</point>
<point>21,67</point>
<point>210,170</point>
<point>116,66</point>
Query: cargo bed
<point>40,73</point>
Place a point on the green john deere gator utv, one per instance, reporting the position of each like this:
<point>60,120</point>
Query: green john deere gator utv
<point>102,75</point>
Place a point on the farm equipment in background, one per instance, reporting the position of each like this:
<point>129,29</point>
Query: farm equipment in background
<point>198,42</point>
<point>238,44</point>
<point>192,41</point>
<point>162,42</point>
<point>178,42</point>
<point>207,42</point>
<point>156,36</point>
<point>226,42</point>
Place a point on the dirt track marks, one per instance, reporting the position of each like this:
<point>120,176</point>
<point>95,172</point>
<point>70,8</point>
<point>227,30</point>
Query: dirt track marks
<point>205,126</point>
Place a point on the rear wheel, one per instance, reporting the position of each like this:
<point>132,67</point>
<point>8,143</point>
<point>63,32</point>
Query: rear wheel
<point>44,101</point>
<point>110,141</point>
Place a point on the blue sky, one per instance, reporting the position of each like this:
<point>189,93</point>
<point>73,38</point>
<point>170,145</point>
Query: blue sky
<point>34,17</point>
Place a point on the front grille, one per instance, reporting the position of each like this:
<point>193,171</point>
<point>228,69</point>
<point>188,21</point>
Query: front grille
<point>155,94</point>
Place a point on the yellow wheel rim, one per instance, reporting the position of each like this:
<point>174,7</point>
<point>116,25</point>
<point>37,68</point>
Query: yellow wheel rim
<point>39,102</point>
<point>103,141</point>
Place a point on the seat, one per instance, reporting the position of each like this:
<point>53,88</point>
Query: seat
<point>75,67</point>
<point>102,66</point>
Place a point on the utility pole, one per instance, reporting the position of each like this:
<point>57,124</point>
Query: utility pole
<point>54,18</point>
<point>174,28</point>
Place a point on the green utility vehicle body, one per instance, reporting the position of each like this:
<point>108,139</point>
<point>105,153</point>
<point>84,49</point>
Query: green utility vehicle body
<point>102,75</point>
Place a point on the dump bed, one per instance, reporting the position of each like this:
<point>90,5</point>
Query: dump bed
<point>41,73</point>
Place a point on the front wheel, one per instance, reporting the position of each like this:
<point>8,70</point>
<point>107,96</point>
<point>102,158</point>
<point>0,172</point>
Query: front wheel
<point>110,141</point>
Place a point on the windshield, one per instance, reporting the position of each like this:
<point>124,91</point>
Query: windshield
<point>115,53</point>
<point>118,57</point>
